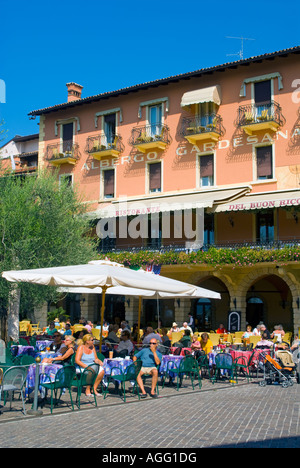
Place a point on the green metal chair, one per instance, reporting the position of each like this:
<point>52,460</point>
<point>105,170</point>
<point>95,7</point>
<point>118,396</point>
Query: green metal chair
<point>223,361</point>
<point>130,375</point>
<point>63,380</point>
<point>203,363</point>
<point>13,380</point>
<point>242,363</point>
<point>27,360</point>
<point>88,377</point>
<point>188,366</point>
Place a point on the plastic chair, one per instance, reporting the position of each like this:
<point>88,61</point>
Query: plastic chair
<point>241,362</point>
<point>96,333</point>
<point>13,381</point>
<point>188,366</point>
<point>254,340</point>
<point>130,375</point>
<point>223,362</point>
<point>63,380</point>
<point>176,336</point>
<point>214,338</point>
<point>88,377</point>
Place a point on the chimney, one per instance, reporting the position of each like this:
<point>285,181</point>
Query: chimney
<point>74,91</point>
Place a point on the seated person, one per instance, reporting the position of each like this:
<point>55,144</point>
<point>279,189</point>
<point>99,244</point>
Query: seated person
<point>221,330</point>
<point>57,344</point>
<point>86,356</point>
<point>263,329</point>
<point>195,345</point>
<point>264,342</point>
<point>150,334</point>
<point>205,343</point>
<point>50,330</point>
<point>186,339</point>
<point>125,346</point>
<point>68,330</point>
<point>151,358</point>
<point>112,334</point>
<point>68,352</point>
<point>174,328</point>
<point>186,327</point>
<point>248,332</point>
<point>165,338</point>
<point>278,333</point>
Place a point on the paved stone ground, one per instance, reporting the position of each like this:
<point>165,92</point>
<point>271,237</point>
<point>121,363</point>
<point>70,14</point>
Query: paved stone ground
<point>221,415</point>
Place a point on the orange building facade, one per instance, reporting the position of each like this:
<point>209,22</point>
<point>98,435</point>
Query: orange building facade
<point>204,159</point>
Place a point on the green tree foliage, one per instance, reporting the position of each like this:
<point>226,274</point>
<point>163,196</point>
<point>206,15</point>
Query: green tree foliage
<point>41,225</point>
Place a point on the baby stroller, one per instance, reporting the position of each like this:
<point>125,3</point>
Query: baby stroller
<point>275,370</point>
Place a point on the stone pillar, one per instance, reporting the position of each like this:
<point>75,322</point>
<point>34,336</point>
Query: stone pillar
<point>132,310</point>
<point>182,309</point>
<point>40,315</point>
<point>13,315</point>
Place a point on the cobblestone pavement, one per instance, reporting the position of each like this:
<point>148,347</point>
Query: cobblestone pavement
<point>219,415</point>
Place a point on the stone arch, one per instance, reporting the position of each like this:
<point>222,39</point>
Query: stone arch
<point>258,274</point>
<point>220,308</point>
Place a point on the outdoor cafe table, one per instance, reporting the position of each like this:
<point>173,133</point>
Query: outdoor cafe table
<point>115,365</point>
<point>44,368</point>
<point>182,352</point>
<point>175,363</point>
<point>42,344</point>
<point>21,350</point>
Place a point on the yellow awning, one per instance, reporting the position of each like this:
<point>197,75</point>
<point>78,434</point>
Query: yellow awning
<point>210,94</point>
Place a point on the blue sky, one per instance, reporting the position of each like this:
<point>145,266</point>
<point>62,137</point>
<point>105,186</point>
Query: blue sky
<point>110,45</point>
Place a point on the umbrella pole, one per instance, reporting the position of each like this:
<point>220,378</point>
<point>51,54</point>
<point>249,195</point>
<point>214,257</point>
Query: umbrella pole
<point>139,318</point>
<point>104,288</point>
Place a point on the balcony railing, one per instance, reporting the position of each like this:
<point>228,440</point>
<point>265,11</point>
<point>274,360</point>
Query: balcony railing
<point>261,116</point>
<point>69,155</point>
<point>147,137</point>
<point>182,246</point>
<point>101,145</point>
<point>208,126</point>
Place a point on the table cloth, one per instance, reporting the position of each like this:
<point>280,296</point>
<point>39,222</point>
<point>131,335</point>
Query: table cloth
<point>49,369</point>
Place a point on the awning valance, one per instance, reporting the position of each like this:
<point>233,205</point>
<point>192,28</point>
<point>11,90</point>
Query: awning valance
<point>210,94</point>
<point>259,201</point>
<point>205,199</point>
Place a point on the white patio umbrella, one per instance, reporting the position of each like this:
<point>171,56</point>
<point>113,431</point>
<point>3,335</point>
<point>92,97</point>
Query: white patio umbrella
<point>142,293</point>
<point>104,274</point>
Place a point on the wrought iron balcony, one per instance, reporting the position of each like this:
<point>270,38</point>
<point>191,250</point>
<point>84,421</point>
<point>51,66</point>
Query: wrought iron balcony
<point>206,127</point>
<point>68,155</point>
<point>150,137</point>
<point>265,116</point>
<point>100,146</point>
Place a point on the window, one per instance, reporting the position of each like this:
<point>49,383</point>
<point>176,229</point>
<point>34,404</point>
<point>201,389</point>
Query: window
<point>209,230</point>
<point>207,170</point>
<point>264,162</point>
<point>262,92</point>
<point>206,113</point>
<point>154,177</point>
<point>265,227</point>
<point>109,128</point>
<point>155,119</point>
<point>67,137</point>
<point>109,183</point>
<point>67,178</point>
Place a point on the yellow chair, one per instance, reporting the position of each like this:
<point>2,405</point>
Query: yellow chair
<point>287,337</point>
<point>77,327</point>
<point>249,116</point>
<point>254,340</point>
<point>176,336</point>
<point>214,338</point>
<point>264,115</point>
<point>35,328</point>
<point>96,333</point>
<point>24,326</point>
